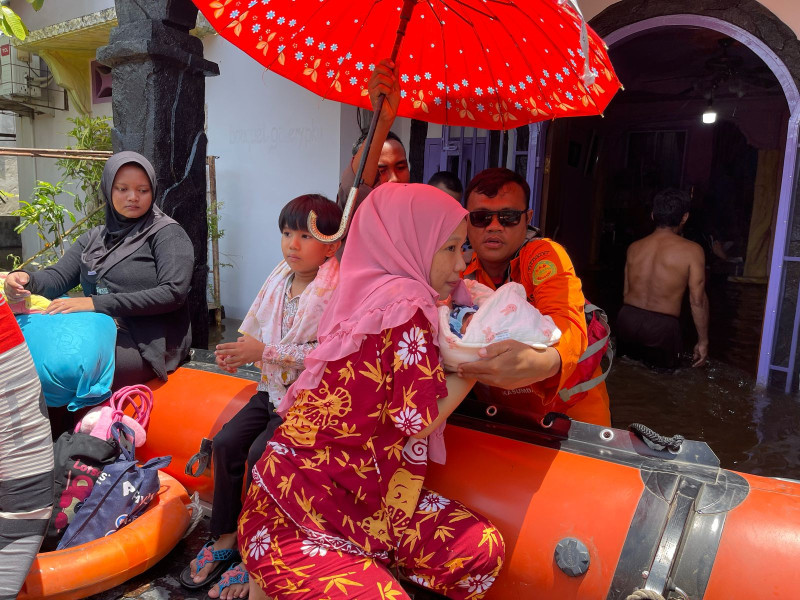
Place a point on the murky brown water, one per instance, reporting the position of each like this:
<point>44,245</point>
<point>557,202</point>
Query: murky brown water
<point>750,429</point>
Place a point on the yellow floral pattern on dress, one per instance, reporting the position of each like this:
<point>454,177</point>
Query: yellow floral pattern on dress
<point>344,464</point>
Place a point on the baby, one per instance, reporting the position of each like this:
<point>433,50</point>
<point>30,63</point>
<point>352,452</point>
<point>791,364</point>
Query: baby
<point>496,315</point>
<point>460,316</point>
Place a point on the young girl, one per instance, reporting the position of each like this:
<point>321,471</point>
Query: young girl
<point>279,330</point>
<point>337,499</point>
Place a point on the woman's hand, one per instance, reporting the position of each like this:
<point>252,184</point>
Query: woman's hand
<point>70,305</point>
<point>510,364</point>
<point>14,286</point>
<point>232,355</point>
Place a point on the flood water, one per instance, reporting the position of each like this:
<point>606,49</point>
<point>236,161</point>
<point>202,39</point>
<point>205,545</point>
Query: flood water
<point>750,429</point>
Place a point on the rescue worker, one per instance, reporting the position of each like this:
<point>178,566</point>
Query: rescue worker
<point>508,249</point>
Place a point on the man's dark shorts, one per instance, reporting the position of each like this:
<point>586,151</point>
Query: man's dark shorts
<point>652,337</point>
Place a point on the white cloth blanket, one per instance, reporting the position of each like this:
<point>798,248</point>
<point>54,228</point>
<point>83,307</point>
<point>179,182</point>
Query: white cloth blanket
<point>502,314</point>
<point>263,320</point>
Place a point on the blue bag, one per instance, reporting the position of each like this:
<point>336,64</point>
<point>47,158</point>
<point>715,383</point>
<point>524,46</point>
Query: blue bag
<point>120,494</point>
<point>74,355</point>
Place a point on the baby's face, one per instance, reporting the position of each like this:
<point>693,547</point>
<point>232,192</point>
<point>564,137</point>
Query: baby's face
<point>465,322</point>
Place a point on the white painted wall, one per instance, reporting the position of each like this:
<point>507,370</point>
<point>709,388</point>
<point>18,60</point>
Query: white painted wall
<point>275,141</point>
<point>56,11</point>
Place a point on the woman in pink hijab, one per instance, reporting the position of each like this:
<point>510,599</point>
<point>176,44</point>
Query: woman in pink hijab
<point>337,499</point>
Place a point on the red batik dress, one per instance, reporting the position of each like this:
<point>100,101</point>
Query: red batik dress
<point>339,488</point>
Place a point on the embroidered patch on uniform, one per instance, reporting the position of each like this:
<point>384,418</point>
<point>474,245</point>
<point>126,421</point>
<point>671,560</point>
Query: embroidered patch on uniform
<point>542,271</point>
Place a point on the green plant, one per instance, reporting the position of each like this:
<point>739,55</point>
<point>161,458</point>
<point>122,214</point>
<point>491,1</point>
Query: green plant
<point>10,23</point>
<point>47,216</point>
<point>89,133</point>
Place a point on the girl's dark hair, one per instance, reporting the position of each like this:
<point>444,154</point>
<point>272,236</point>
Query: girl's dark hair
<point>295,214</point>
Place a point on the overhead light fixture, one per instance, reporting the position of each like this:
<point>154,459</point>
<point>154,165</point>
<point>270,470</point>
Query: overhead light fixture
<point>710,116</point>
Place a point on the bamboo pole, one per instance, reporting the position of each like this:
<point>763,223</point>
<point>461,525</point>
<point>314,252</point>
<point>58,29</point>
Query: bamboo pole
<point>57,153</point>
<point>212,205</point>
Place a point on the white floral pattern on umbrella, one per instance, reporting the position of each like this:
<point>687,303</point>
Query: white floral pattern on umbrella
<point>495,64</point>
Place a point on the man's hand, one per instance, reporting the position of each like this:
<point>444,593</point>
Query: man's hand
<point>700,354</point>
<point>70,305</point>
<point>232,355</point>
<point>511,364</point>
<point>14,286</point>
<point>384,81</point>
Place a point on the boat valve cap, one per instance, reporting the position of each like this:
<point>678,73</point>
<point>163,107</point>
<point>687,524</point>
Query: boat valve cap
<point>572,557</point>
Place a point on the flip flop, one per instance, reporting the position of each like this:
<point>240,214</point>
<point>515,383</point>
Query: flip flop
<point>223,559</point>
<point>234,575</point>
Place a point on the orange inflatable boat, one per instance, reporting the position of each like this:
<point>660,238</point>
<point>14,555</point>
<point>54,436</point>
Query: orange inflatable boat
<point>102,564</point>
<point>586,512</point>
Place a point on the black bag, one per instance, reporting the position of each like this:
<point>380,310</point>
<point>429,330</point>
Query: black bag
<point>79,461</point>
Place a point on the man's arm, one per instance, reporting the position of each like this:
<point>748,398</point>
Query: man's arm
<point>382,81</point>
<point>557,293</point>
<point>625,286</point>
<point>699,303</point>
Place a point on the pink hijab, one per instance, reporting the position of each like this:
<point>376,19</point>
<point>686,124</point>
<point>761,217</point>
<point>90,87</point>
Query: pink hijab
<point>383,278</point>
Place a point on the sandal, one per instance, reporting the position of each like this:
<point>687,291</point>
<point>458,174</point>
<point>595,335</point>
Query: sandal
<point>223,558</point>
<point>232,576</point>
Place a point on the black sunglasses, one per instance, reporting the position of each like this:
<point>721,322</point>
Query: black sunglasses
<point>506,217</point>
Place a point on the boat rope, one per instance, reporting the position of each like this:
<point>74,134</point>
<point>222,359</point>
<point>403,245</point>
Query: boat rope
<point>645,595</point>
<point>198,463</point>
<point>655,440</point>
<point>550,418</point>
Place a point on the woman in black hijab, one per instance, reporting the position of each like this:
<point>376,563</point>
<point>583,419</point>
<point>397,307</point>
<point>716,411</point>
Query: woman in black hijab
<point>135,268</point>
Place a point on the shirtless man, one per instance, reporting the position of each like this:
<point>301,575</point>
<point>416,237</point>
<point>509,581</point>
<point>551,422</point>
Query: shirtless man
<point>657,272</point>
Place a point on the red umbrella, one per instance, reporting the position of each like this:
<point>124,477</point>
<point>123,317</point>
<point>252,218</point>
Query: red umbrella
<point>493,64</point>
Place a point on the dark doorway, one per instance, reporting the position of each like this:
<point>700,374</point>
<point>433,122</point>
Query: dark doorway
<point>603,173</point>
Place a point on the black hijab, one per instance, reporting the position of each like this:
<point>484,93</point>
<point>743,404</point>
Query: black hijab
<point>120,237</point>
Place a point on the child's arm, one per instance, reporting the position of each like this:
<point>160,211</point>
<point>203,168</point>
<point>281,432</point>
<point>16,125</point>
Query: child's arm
<point>287,355</point>
<point>232,355</point>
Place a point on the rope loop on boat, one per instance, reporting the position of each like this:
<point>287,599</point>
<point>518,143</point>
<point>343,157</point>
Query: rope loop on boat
<point>550,418</point>
<point>655,440</point>
<point>645,595</point>
<point>198,463</point>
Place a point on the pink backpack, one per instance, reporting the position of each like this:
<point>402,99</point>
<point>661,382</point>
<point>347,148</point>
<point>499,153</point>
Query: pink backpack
<point>97,422</point>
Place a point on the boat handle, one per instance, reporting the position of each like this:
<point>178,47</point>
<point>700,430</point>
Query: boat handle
<point>491,410</point>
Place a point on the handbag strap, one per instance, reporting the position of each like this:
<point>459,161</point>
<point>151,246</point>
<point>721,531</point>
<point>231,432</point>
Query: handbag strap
<point>128,396</point>
<point>127,446</point>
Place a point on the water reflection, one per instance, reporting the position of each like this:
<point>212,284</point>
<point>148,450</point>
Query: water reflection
<point>750,429</point>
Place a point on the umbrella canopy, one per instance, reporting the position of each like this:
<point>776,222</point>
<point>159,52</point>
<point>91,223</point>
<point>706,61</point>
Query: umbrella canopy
<point>493,64</point>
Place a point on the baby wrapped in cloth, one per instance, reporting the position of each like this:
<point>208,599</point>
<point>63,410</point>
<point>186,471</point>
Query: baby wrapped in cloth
<point>501,315</point>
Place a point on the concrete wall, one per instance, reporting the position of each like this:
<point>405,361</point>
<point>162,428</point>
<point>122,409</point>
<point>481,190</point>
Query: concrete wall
<point>275,141</point>
<point>787,11</point>
<point>56,11</point>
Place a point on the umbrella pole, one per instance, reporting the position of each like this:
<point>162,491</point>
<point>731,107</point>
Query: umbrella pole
<point>405,16</point>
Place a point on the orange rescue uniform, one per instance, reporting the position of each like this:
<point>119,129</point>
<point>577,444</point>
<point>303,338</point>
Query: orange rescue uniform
<point>544,268</point>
